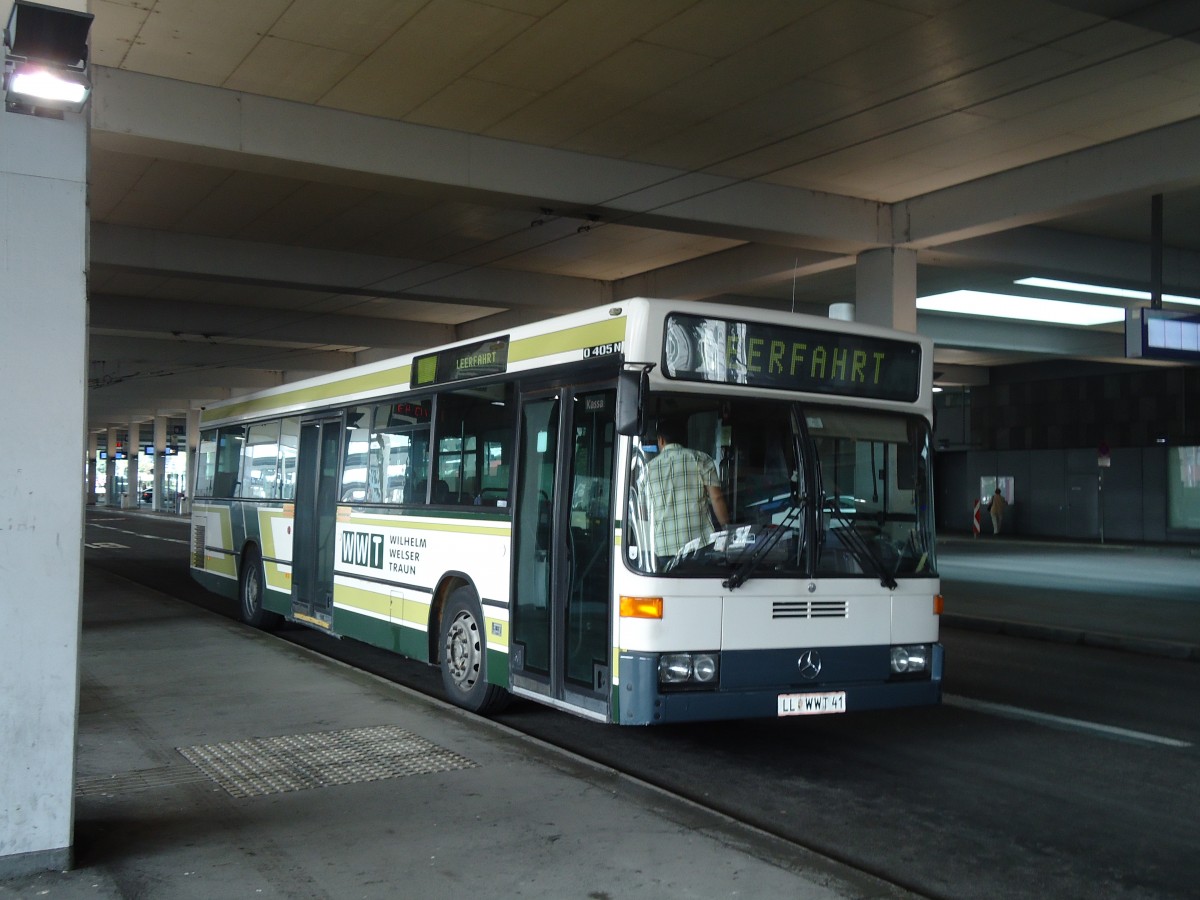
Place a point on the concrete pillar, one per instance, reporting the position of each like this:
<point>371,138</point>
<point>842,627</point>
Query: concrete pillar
<point>193,449</point>
<point>885,291</point>
<point>110,471</point>
<point>43,367</point>
<point>133,449</point>
<point>93,442</point>
<point>160,459</point>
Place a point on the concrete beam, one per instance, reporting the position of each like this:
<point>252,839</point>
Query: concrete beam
<point>1071,256</point>
<point>196,122</point>
<point>142,395</point>
<point>737,269</point>
<point>1154,161</point>
<point>333,272</point>
<point>135,353</point>
<point>966,332</point>
<point>258,326</point>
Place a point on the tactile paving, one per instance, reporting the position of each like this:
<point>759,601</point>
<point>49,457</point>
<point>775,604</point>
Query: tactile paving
<point>273,765</point>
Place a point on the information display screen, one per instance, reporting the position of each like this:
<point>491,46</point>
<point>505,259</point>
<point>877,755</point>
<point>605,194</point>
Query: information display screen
<point>460,363</point>
<point>1162,334</point>
<point>724,351</point>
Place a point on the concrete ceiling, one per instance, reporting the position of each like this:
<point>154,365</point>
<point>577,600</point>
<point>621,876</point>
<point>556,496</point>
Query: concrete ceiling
<point>283,187</point>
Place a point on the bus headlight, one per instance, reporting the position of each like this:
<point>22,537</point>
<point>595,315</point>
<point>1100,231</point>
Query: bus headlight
<point>704,667</point>
<point>688,670</point>
<point>910,659</point>
<point>674,668</point>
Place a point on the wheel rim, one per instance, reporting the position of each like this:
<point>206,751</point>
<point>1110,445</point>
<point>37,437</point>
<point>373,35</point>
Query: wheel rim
<point>250,591</point>
<point>463,653</point>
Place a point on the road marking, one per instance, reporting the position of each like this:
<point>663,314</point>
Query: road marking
<point>1029,715</point>
<point>106,545</point>
<point>149,537</point>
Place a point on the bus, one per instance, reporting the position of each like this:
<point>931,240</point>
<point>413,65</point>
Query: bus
<point>486,507</point>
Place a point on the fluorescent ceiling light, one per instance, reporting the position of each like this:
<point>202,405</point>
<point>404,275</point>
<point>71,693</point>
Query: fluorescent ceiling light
<point>1027,309</point>
<point>1081,288</point>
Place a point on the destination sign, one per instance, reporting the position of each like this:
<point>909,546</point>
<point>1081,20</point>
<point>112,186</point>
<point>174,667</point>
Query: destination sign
<point>755,354</point>
<point>460,363</point>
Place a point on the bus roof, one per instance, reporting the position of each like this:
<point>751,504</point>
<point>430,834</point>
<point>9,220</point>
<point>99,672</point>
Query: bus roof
<point>633,328</point>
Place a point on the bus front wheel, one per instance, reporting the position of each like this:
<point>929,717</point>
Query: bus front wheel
<point>464,656</point>
<point>250,593</point>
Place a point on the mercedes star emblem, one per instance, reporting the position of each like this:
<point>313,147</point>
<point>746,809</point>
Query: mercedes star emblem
<point>809,664</point>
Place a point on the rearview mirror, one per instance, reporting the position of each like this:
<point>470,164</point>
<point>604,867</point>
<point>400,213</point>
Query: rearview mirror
<point>631,391</point>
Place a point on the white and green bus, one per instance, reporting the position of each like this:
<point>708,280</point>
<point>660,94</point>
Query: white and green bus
<point>484,507</point>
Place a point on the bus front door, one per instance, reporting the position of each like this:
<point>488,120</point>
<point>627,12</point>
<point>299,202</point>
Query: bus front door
<point>315,523</point>
<point>562,535</point>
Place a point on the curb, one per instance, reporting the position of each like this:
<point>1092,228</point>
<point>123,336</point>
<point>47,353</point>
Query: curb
<point>1078,636</point>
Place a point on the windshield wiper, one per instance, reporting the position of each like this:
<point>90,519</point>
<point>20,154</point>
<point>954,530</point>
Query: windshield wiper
<point>860,549</point>
<point>752,560</point>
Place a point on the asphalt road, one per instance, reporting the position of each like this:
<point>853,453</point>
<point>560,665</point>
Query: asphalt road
<point>1051,770</point>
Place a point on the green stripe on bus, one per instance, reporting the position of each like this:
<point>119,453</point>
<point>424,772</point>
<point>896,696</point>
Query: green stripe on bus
<point>610,331</point>
<point>498,530</point>
<point>378,603</point>
<point>397,378</point>
<point>406,641</point>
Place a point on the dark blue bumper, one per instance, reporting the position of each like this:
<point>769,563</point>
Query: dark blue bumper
<point>752,681</point>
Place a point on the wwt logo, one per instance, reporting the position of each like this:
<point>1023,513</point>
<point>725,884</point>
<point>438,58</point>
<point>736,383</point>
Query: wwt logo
<point>362,548</point>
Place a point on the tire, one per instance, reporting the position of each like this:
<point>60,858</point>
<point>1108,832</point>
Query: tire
<point>251,585</point>
<point>463,656</point>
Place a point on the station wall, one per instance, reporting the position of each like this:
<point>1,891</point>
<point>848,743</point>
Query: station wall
<point>1049,425</point>
<point>1063,493</point>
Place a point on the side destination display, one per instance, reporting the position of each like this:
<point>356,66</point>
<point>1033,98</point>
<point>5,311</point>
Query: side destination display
<point>699,348</point>
<point>459,363</point>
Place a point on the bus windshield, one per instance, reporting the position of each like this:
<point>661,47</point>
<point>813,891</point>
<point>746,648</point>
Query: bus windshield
<point>752,488</point>
<point>874,476</point>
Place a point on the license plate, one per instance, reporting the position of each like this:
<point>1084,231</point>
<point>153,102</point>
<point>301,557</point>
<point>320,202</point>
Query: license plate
<point>812,704</point>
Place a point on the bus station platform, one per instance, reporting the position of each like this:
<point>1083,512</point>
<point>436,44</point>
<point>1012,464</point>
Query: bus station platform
<point>218,762</point>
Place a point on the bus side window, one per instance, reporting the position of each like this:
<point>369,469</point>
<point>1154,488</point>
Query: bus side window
<point>289,451</point>
<point>206,464</point>
<point>359,473</point>
<point>260,461</point>
<point>473,442</point>
<point>417,469</point>
<point>229,461</point>
<point>399,451</point>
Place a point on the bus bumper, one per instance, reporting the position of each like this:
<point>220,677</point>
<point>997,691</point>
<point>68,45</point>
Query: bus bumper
<point>742,695</point>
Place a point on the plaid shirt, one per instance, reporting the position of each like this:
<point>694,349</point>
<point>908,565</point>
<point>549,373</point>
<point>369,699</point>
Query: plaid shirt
<point>677,482</point>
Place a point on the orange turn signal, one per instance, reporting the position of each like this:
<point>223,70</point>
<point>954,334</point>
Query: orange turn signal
<point>641,607</point>
<point>938,603</point>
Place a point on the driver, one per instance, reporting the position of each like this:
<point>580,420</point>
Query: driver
<point>684,492</point>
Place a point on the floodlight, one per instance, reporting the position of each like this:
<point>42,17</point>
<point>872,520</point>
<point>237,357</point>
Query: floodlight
<point>46,59</point>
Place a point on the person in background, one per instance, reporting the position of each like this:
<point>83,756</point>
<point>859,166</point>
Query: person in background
<point>996,507</point>
<point>684,492</point>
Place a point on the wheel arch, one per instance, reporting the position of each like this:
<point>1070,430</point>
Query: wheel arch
<point>447,585</point>
<point>248,545</point>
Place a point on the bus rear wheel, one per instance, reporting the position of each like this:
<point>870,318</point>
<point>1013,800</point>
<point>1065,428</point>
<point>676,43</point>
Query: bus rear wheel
<point>250,593</point>
<point>464,656</point>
